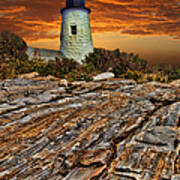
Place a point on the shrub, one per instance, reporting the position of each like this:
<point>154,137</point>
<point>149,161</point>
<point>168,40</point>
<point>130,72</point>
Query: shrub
<point>12,45</point>
<point>14,61</point>
<point>115,61</point>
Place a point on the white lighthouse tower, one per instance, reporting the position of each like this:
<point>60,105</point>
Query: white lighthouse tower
<point>76,38</point>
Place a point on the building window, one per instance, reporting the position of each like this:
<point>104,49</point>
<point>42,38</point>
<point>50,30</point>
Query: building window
<point>73,29</point>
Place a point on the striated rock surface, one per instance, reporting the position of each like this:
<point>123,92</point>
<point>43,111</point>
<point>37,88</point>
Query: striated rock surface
<point>108,130</point>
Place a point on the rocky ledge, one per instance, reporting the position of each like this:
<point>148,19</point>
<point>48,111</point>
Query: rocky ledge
<point>107,130</point>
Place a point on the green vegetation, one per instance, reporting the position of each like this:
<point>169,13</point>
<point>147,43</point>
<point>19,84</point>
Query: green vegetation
<point>14,61</point>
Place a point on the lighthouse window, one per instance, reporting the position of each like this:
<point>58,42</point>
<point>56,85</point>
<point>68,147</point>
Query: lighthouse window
<point>73,30</point>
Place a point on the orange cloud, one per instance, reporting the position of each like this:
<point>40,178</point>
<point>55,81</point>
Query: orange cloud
<point>12,10</point>
<point>36,20</point>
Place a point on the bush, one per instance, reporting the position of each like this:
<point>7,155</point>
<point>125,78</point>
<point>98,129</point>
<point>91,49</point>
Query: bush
<point>14,61</point>
<point>136,75</point>
<point>12,45</point>
<point>167,72</point>
<point>115,61</point>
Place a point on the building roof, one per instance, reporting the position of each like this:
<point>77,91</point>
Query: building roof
<point>46,54</point>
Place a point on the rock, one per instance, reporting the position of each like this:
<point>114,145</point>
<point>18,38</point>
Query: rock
<point>63,82</point>
<point>45,78</point>
<point>29,75</point>
<point>111,129</point>
<point>50,77</point>
<point>175,83</point>
<point>103,76</point>
<point>78,83</point>
<point>176,177</point>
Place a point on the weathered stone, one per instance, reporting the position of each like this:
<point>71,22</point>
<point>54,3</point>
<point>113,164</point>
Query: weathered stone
<point>103,76</point>
<point>63,82</point>
<point>78,45</point>
<point>175,83</point>
<point>175,177</point>
<point>29,75</point>
<point>113,130</point>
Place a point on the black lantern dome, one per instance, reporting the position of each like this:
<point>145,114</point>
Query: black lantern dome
<point>75,4</point>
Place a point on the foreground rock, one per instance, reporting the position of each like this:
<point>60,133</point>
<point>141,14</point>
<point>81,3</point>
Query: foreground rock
<point>29,75</point>
<point>103,76</point>
<point>110,130</point>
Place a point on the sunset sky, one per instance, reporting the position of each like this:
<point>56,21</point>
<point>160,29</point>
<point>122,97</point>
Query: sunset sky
<point>150,28</point>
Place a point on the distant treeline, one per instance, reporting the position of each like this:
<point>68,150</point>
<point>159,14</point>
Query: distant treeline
<point>14,61</point>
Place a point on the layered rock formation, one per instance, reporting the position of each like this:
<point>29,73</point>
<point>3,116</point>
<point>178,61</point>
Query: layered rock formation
<point>108,130</point>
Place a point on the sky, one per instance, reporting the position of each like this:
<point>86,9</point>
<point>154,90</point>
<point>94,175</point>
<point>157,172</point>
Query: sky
<point>150,28</point>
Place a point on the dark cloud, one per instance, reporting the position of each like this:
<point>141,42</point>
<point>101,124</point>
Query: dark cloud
<point>37,19</point>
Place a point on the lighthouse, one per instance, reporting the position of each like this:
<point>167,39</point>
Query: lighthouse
<point>76,38</point>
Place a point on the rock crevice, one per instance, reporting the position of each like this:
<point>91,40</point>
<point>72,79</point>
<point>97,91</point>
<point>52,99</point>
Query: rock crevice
<point>113,129</point>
